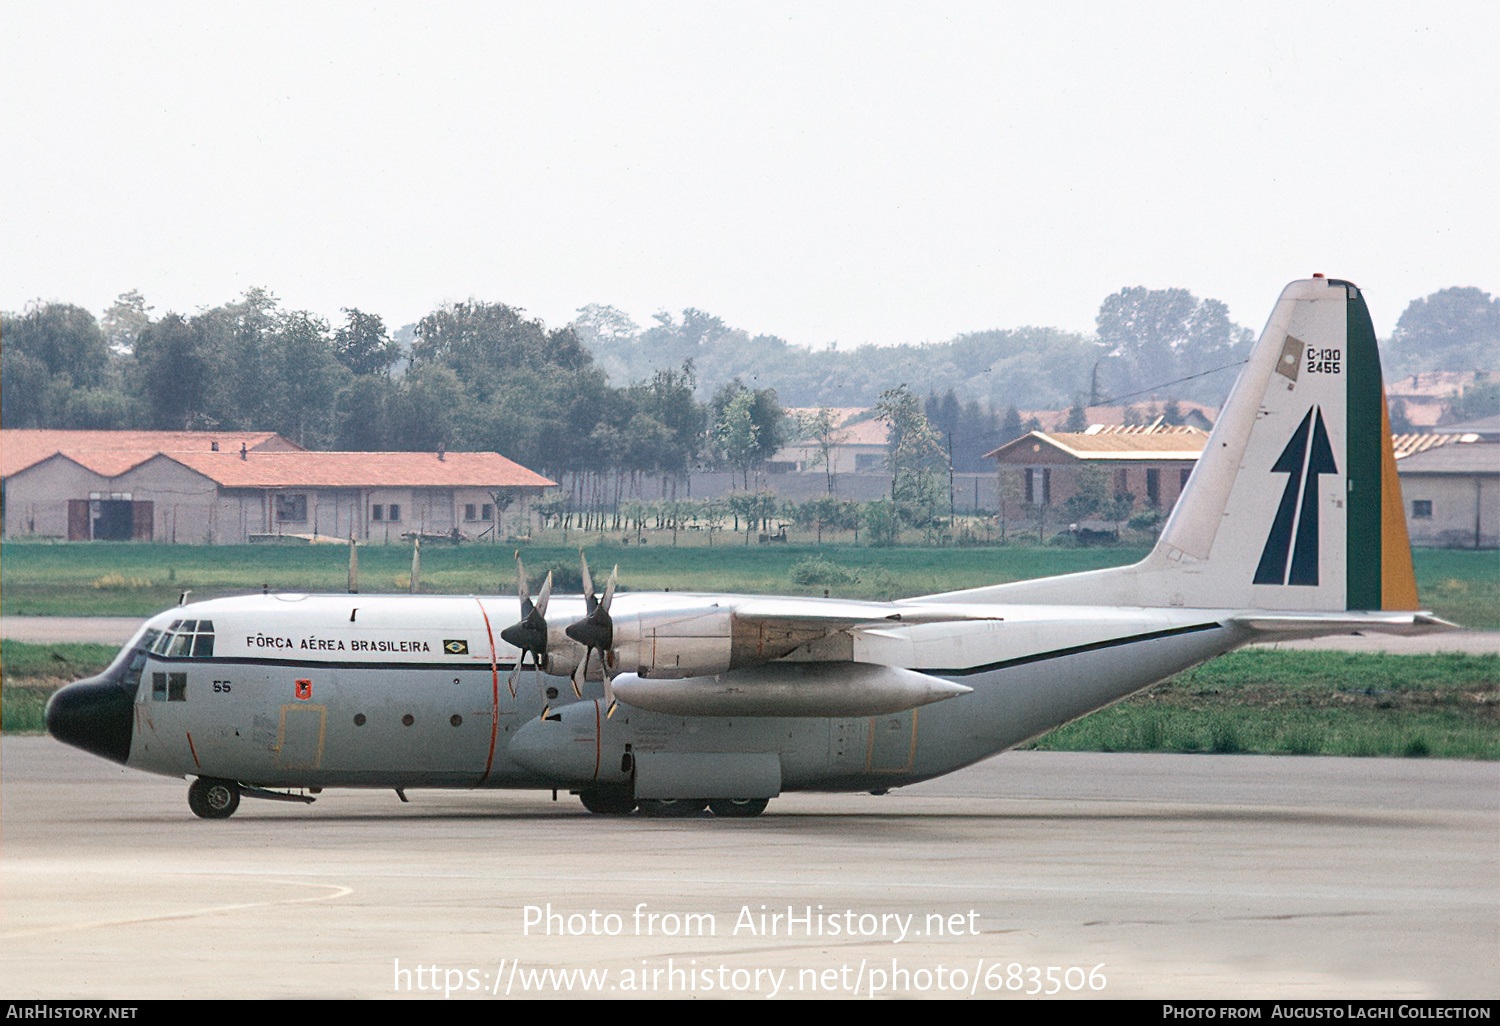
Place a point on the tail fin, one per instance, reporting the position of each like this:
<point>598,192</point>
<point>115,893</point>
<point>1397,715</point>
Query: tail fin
<point>1294,504</point>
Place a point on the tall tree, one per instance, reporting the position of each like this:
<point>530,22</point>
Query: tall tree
<point>736,434</point>
<point>64,339</point>
<point>308,376</point>
<point>124,321</point>
<point>668,400</point>
<point>750,426</point>
<point>1156,337</point>
<point>362,345</point>
<point>1456,329</point>
<point>485,342</point>
<point>174,373</point>
<point>916,457</point>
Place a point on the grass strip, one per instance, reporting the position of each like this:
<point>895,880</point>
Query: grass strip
<point>1306,703</point>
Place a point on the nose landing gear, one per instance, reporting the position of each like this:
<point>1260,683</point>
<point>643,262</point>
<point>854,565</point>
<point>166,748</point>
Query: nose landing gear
<point>212,798</point>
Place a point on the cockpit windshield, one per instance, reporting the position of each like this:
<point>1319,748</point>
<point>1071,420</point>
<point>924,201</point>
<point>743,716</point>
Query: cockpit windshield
<point>185,638</point>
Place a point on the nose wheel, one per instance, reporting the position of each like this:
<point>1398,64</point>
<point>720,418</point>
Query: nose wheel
<point>212,798</point>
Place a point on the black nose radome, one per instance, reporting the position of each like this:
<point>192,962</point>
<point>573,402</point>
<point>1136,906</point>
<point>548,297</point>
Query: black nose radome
<point>94,714</point>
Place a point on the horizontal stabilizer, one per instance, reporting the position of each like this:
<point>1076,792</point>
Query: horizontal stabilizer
<point>1353,622</point>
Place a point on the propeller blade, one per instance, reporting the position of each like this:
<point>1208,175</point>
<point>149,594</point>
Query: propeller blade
<point>515,675</point>
<point>609,588</point>
<point>544,595</point>
<point>521,589</point>
<point>588,583</point>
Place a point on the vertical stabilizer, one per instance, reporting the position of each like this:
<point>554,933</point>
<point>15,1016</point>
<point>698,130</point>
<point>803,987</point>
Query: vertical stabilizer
<point>1298,505</point>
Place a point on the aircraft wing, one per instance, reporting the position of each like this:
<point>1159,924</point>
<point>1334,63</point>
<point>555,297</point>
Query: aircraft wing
<point>833,614</point>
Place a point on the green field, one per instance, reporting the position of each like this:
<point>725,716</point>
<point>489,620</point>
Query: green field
<point>1307,703</point>
<point>114,579</point>
<point>126,579</point>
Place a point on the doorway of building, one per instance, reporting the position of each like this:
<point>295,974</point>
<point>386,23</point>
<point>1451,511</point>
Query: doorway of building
<point>115,520</point>
<point>109,519</point>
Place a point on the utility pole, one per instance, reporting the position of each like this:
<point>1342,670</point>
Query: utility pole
<point>951,504</point>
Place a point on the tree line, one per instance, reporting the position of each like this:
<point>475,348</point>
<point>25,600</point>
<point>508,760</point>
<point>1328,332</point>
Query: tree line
<point>475,375</point>
<point>482,375</point>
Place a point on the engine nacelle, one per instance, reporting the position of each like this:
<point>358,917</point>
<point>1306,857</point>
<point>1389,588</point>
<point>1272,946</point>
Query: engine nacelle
<point>672,643</point>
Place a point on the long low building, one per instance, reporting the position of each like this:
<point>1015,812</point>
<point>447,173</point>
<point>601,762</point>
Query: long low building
<point>235,487</point>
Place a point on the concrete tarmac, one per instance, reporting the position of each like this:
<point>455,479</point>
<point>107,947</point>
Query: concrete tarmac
<point>1125,876</point>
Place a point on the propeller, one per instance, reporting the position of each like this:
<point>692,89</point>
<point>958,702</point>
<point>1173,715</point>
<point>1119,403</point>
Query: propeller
<point>596,631</point>
<point>530,634</point>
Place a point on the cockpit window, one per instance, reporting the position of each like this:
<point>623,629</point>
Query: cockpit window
<point>133,669</point>
<point>185,638</point>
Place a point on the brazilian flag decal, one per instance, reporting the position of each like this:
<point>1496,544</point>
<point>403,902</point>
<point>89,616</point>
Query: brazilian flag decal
<point>456,647</point>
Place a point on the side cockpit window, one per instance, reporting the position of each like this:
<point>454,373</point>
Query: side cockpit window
<point>169,687</point>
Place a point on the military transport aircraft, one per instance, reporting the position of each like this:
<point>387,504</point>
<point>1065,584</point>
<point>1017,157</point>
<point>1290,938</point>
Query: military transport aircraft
<point>1290,526</point>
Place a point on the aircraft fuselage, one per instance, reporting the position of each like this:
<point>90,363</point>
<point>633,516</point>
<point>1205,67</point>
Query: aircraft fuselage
<point>295,691</point>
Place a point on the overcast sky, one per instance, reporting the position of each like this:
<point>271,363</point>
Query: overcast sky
<point>825,172</point>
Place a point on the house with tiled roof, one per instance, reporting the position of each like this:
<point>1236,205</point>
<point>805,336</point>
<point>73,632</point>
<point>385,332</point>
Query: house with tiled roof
<point>1043,469</point>
<point>235,487</point>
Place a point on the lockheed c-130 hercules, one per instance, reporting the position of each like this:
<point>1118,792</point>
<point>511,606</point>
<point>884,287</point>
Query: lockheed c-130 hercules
<point>1291,526</point>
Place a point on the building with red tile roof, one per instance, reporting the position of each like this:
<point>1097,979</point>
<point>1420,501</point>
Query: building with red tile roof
<point>234,487</point>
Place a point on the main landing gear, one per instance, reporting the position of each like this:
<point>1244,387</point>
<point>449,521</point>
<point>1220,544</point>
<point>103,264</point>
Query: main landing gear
<point>737,808</point>
<point>212,798</point>
<point>618,801</point>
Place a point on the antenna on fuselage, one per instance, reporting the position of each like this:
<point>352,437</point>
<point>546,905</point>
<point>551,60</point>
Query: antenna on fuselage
<point>353,566</point>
